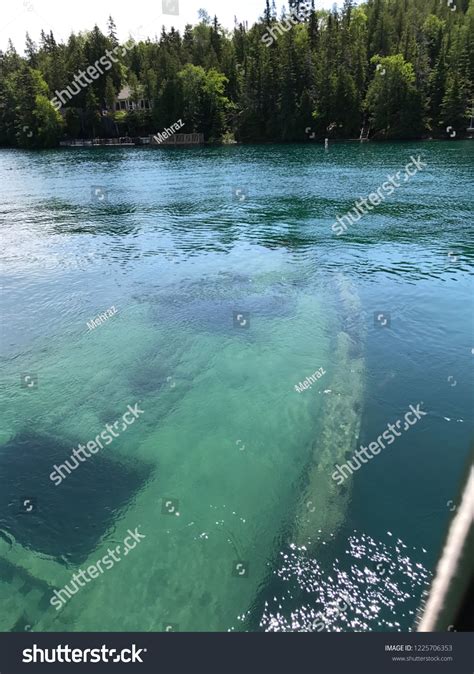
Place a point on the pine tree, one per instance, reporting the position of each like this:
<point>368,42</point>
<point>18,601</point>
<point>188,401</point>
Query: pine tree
<point>112,31</point>
<point>31,51</point>
<point>407,64</point>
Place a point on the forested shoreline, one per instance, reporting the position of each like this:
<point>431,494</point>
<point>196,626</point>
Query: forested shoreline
<point>404,67</point>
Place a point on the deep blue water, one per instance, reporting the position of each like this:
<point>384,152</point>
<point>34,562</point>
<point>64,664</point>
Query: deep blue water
<point>181,242</point>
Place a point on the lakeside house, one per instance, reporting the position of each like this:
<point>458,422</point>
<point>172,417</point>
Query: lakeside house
<point>124,100</point>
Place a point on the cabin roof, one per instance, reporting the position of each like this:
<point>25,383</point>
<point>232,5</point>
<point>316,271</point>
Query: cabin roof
<point>124,94</point>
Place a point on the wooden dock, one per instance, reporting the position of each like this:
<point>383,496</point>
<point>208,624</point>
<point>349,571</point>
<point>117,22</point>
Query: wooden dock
<point>125,141</point>
<point>179,139</point>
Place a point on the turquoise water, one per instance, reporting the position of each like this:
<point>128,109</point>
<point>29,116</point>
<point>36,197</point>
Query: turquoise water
<point>229,465</point>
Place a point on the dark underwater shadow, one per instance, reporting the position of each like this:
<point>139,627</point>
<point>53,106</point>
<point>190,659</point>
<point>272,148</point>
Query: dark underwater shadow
<point>66,521</point>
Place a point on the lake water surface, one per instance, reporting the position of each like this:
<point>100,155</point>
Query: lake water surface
<point>230,288</point>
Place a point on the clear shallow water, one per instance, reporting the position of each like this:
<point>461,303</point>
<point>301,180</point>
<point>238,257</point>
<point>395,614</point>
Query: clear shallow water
<point>224,433</point>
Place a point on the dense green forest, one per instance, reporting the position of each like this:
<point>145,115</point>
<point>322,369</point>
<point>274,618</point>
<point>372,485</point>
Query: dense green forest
<point>406,67</point>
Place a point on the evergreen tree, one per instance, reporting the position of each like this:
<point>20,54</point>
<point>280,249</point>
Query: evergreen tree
<point>407,65</point>
<point>112,31</point>
<point>393,101</point>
